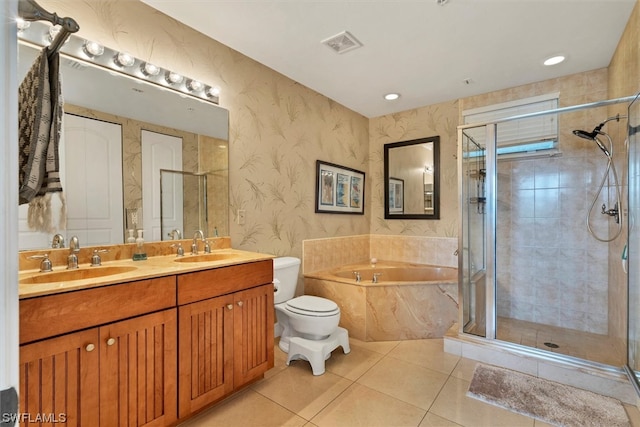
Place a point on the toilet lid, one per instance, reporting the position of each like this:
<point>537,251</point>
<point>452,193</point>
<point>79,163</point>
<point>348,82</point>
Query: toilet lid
<point>312,306</point>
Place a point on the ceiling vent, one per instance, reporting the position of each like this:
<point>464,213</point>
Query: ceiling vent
<point>343,42</point>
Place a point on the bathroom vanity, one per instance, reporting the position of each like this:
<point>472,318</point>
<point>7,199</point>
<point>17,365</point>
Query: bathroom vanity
<point>151,345</point>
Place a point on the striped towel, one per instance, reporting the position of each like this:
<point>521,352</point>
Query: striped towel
<point>40,123</point>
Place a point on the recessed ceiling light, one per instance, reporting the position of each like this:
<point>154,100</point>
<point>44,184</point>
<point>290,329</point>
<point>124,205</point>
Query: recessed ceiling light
<point>392,96</point>
<point>554,60</point>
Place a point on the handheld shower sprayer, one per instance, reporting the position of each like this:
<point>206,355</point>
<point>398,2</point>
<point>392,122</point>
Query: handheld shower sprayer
<point>593,135</point>
<point>617,210</point>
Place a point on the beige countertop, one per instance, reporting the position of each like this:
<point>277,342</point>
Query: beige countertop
<point>127,270</point>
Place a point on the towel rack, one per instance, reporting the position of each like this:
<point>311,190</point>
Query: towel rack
<point>29,10</point>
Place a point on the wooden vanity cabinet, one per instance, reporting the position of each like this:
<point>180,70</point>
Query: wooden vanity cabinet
<point>149,352</point>
<point>122,372</point>
<point>59,377</point>
<point>225,331</point>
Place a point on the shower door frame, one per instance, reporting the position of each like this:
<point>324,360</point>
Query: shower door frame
<point>491,225</point>
<point>633,280</point>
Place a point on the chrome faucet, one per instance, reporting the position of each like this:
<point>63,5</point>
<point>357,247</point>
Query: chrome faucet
<point>358,277</point>
<point>72,259</point>
<point>45,264</point>
<point>375,277</point>
<point>57,242</point>
<point>194,245</point>
<point>175,234</point>
<point>179,249</point>
<point>96,260</point>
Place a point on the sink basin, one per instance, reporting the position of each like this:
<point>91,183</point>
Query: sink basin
<point>79,274</point>
<point>205,257</point>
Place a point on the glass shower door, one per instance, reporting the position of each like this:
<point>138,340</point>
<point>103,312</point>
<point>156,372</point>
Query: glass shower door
<point>472,268</point>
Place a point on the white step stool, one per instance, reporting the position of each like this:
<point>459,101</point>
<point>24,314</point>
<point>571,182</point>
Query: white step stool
<point>317,351</point>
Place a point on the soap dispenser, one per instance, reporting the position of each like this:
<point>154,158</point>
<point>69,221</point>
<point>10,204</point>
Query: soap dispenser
<point>131,238</point>
<point>139,254</point>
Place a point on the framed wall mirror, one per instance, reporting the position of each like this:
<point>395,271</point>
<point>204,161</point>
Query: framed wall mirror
<point>412,179</point>
<point>108,112</point>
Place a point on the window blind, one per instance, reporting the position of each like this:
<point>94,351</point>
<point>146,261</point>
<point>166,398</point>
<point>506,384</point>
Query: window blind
<point>522,135</point>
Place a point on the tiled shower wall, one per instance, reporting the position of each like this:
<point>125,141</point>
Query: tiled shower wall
<point>322,254</point>
<point>550,270</point>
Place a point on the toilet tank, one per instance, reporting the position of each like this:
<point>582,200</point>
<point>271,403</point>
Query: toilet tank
<point>285,278</point>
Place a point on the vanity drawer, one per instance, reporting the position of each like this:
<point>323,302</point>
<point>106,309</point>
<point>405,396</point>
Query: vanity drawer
<point>57,314</point>
<point>205,284</point>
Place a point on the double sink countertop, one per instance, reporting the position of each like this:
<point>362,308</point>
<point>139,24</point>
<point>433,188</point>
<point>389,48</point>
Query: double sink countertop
<point>33,283</point>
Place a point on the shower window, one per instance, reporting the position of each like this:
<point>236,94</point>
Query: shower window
<point>522,137</point>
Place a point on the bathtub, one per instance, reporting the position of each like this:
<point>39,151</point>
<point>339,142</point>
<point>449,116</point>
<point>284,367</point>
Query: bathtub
<point>409,301</point>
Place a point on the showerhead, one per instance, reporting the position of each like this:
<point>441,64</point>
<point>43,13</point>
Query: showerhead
<point>593,136</point>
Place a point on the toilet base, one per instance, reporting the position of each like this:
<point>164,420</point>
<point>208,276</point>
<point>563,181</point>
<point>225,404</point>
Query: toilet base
<point>316,352</point>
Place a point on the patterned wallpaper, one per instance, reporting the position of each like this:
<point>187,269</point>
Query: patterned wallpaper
<point>278,128</point>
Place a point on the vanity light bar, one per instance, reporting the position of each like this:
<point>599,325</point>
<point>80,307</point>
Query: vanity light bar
<point>121,62</point>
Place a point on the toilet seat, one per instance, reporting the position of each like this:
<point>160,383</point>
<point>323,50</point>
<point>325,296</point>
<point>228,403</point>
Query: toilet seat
<point>308,305</point>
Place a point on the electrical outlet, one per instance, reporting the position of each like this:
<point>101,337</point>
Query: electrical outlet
<point>241,216</point>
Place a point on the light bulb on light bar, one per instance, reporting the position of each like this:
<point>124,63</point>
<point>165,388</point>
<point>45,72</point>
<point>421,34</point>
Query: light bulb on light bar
<point>212,92</point>
<point>53,32</point>
<point>149,69</point>
<point>123,59</point>
<point>194,85</point>
<point>22,24</point>
<point>173,78</point>
<point>92,49</point>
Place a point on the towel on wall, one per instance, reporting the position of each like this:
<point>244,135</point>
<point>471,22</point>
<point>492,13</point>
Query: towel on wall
<point>40,108</point>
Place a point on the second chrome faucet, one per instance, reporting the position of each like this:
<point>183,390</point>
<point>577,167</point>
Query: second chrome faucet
<point>194,245</point>
<point>74,248</point>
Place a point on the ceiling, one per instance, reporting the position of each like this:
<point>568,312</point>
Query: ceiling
<point>427,52</point>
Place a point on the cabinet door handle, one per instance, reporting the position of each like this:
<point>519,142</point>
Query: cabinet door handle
<point>111,341</point>
<point>230,306</point>
<point>240,303</point>
<point>90,347</point>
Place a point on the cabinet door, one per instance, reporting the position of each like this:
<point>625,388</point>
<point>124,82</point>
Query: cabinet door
<point>59,379</point>
<point>138,371</point>
<point>205,352</point>
<point>253,333</point>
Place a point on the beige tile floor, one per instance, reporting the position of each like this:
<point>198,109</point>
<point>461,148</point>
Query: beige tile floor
<point>400,383</point>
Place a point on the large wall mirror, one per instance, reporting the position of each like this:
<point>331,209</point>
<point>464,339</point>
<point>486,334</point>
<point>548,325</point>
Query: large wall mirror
<point>412,179</point>
<point>119,132</point>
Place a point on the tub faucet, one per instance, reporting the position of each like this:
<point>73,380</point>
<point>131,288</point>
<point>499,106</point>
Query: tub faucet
<point>194,245</point>
<point>357,274</point>
<point>375,277</point>
<point>72,259</point>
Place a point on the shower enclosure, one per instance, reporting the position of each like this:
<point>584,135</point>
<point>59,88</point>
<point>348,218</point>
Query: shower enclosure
<point>536,266</point>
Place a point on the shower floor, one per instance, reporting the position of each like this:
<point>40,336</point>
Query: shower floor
<point>571,342</point>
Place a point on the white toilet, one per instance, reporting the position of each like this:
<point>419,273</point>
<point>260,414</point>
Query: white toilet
<point>307,325</point>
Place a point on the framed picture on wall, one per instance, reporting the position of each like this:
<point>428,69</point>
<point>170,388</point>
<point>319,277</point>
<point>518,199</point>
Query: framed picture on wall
<point>396,195</point>
<point>339,189</point>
